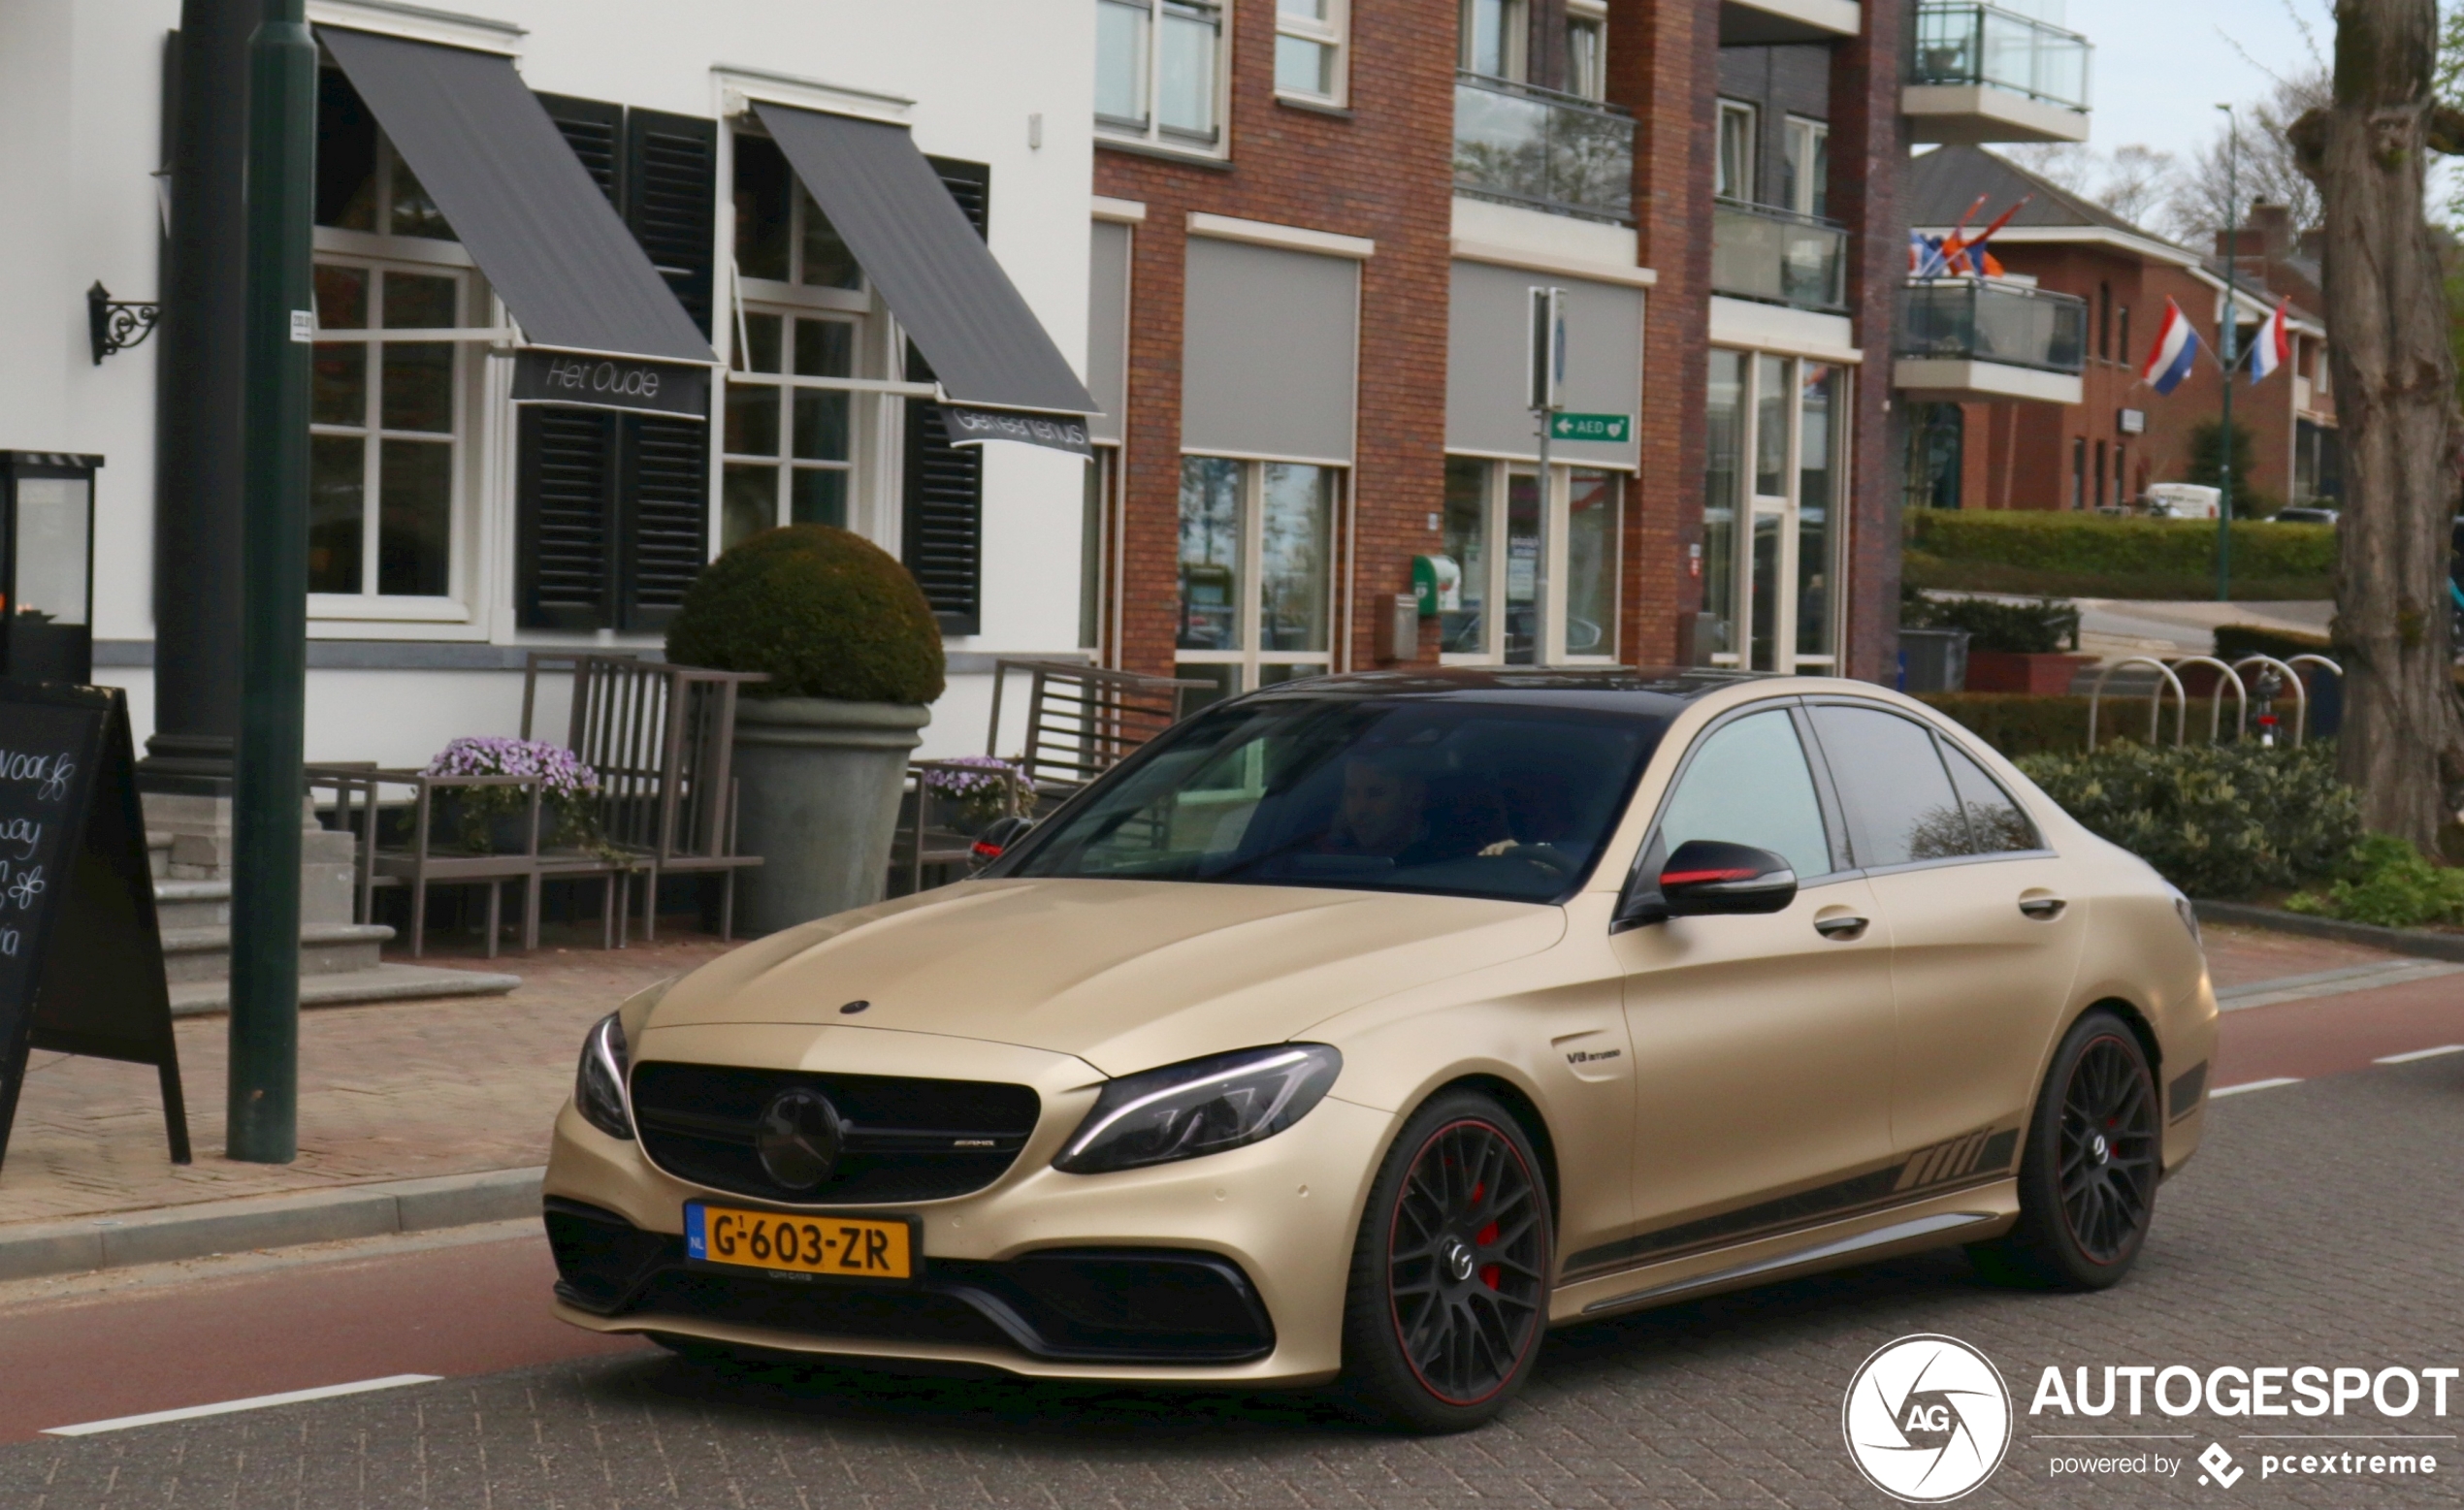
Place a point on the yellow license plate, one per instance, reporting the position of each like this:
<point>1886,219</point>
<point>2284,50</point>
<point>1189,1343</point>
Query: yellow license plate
<point>836,1247</point>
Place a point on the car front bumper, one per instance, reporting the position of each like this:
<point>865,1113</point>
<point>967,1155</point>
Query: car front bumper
<point>1229,1268</point>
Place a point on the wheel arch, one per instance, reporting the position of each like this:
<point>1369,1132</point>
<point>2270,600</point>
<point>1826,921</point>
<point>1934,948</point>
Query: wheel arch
<point>1526,1115</point>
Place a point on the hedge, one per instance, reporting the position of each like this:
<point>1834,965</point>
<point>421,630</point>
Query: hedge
<point>2018,725</point>
<point>2092,556</point>
<point>2218,821</point>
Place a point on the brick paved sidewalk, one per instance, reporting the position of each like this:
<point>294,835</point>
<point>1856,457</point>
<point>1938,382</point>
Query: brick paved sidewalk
<point>398,1091</point>
<point>406,1090</point>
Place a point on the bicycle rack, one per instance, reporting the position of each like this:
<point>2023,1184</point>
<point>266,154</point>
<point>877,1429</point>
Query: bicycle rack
<point>2155,701</point>
<point>2216,702</point>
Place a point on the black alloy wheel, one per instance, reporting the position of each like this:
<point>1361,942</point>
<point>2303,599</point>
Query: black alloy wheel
<point>2089,1170</point>
<point>1451,1276</point>
<point>2108,1171</point>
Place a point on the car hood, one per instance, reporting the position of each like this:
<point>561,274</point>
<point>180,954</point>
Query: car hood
<point>1125,975</point>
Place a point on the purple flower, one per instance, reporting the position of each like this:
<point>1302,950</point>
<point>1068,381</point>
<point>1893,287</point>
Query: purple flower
<point>976,777</point>
<point>563,773</point>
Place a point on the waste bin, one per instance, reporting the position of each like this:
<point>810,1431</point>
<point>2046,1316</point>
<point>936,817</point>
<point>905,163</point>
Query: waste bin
<point>1933,660</point>
<point>47,566</point>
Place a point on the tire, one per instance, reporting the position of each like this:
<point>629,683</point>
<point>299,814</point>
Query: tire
<point>2087,1171</point>
<point>1450,1275</point>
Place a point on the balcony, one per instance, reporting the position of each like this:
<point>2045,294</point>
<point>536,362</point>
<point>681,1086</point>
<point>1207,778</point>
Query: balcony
<point>1774,257</point>
<point>1979,340</point>
<point>1978,73</point>
<point>1779,23</point>
<point>1521,144</point>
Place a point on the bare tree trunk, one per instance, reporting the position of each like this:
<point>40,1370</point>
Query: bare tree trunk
<point>2403,740</point>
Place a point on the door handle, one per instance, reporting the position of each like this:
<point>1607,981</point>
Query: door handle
<point>1840,929</point>
<point>2043,909</point>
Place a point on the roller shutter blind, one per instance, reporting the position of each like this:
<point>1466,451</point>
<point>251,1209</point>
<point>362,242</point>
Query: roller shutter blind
<point>613,509</point>
<point>943,489</point>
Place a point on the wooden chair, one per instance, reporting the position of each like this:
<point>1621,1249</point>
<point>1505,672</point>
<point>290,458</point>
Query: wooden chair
<point>922,843</point>
<point>662,740</point>
<point>1081,720</point>
<point>420,861</point>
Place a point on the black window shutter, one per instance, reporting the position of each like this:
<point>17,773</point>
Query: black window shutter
<point>671,187</point>
<point>564,478</point>
<point>614,509</point>
<point>943,540</point>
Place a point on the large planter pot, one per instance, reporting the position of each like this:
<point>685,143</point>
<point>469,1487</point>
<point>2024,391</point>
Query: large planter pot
<point>2007,671</point>
<point>819,802</point>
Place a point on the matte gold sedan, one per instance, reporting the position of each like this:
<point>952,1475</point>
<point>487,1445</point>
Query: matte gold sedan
<point>1360,1030</point>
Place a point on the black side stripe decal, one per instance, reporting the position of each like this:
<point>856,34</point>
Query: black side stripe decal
<point>1966,1158</point>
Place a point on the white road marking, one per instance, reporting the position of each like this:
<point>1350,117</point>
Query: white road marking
<point>2340,982</point>
<point>256,1402</point>
<point>2252,1086</point>
<point>2420,1053</point>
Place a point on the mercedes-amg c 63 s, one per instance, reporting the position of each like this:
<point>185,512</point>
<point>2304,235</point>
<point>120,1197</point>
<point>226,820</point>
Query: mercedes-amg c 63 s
<point>1361,1029</point>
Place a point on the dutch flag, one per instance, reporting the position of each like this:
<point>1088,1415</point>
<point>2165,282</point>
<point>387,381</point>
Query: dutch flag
<point>2177,346</point>
<point>2274,346</point>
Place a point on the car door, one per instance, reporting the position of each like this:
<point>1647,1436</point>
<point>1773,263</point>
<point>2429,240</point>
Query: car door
<point>1761,1044</point>
<point>1985,937</point>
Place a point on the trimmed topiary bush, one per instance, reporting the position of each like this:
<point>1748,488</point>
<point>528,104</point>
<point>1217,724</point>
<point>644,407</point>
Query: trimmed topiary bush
<point>2218,821</point>
<point>825,613</point>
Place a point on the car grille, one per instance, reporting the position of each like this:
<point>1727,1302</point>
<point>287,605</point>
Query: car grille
<point>906,1140</point>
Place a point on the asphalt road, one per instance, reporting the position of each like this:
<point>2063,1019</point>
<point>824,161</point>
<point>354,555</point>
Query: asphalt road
<point>2322,1226</point>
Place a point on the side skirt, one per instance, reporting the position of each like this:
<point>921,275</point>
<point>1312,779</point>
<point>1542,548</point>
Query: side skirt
<point>1968,1215</point>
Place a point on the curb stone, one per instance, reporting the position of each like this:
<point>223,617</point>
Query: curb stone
<point>2414,942</point>
<point>31,1250</point>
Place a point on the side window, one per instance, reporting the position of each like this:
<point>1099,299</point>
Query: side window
<point>1749,783</point>
<point>1994,822</point>
<point>1900,807</point>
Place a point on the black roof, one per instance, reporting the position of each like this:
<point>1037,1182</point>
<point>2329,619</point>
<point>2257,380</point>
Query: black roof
<point>1944,182</point>
<point>1656,689</point>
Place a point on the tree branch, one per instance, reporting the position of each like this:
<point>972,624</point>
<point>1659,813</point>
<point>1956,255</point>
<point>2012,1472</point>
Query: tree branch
<point>2309,139</point>
<point>2447,130</point>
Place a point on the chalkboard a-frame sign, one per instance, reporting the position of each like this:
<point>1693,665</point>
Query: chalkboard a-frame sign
<point>80,949</point>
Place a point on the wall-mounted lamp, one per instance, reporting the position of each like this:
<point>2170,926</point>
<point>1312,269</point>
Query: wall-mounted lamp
<point>116,324</point>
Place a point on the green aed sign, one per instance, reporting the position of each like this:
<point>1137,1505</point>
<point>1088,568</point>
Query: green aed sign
<point>1612,428</point>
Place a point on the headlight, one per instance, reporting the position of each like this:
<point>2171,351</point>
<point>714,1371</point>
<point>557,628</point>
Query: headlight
<point>599,1084</point>
<point>1200,1106</point>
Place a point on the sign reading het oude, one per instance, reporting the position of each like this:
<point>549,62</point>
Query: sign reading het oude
<point>569,379</point>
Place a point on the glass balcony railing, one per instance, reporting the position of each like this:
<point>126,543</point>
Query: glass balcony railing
<point>1772,255</point>
<point>1527,145</point>
<point>1979,320</point>
<point>1962,43</point>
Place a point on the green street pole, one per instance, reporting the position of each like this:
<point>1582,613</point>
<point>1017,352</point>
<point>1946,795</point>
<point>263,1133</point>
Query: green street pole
<point>2230,344</point>
<point>265,892</point>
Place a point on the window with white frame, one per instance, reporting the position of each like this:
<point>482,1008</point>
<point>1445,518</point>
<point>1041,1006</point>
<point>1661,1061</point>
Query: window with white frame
<point>799,414</point>
<point>1587,49</point>
<point>1732,169</point>
<point>1494,44</point>
<point>1805,166</point>
<point>1257,572</point>
<point>1159,71</point>
<point>1491,533</point>
<point>392,376</point>
<point>1310,61</point>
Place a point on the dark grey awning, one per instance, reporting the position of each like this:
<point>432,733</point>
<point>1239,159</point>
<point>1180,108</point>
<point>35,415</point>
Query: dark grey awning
<point>530,214</point>
<point>936,275</point>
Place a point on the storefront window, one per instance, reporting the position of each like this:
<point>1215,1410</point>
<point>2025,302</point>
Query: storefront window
<point>1256,570</point>
<point>1591,563</point>
<point>1492,532</point>
<point>1722,495</point>
<point>1462,630</point>
<point>1819,415</point>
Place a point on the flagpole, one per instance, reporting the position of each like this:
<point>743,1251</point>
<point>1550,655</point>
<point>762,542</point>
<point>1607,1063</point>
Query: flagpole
<point>2229,347</point>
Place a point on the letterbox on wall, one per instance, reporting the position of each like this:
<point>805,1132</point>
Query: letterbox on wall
<point>47,566</point>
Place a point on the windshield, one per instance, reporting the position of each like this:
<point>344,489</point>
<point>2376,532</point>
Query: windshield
<point>1464,798</point>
